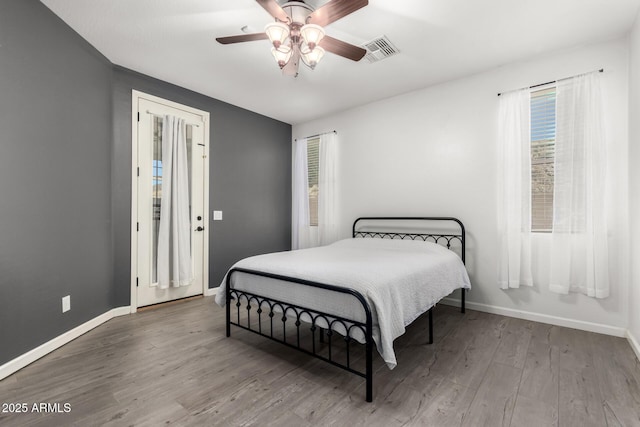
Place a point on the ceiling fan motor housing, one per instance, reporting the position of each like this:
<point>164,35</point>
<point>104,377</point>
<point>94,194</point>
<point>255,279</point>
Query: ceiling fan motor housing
<point>298,12</point>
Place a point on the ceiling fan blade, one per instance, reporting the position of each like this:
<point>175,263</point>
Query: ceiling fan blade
<point>343,49</point>
<point>242,38</point>
<point>274,9</point>
<point>335,10</point>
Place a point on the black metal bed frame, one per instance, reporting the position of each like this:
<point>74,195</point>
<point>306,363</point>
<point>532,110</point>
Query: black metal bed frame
<point>298,314</point>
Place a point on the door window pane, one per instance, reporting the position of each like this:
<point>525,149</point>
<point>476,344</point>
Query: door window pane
<point>156,182</point>
<point>189,140</point>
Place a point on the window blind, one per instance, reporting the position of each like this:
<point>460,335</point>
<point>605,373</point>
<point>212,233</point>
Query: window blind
<point>313,160</point>
<point>543,136</point>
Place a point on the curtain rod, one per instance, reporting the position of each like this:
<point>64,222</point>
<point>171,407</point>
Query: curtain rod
<point>320,134</point>
<point>162,115</point>
<point>601,70</point>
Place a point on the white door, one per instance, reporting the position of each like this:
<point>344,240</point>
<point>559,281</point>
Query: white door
<point>148,183</point>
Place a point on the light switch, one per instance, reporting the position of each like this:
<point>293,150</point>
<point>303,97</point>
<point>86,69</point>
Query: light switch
<point>217,215</point>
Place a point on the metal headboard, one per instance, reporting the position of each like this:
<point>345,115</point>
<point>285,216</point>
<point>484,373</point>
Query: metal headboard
<point>434,237</point>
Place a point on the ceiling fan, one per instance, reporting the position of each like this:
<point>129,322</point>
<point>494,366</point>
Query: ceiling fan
<point>298,32</point>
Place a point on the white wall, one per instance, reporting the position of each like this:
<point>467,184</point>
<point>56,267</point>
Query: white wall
<point>433,152</point>
<point>634,178</point>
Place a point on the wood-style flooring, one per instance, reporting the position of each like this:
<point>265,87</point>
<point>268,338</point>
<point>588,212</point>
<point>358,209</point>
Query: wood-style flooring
<point>174,366</point>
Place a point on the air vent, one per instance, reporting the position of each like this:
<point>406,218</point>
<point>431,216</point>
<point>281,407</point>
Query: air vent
<point>379,49</point>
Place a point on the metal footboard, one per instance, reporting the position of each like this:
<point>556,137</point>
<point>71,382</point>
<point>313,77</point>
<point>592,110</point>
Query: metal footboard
<point>299,315</point>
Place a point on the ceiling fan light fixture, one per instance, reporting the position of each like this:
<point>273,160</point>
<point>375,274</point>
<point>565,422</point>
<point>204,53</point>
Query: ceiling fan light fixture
<point>277,33</point>
<point>282,55</point>
<point>312,34</point>
<point>297,33</point>
<point>311,57</point>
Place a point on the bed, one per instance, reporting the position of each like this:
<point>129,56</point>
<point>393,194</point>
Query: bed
<point>356,293</point>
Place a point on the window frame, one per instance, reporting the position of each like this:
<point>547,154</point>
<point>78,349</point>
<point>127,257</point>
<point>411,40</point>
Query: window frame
<point>313,170</point>
<point>542,154</point>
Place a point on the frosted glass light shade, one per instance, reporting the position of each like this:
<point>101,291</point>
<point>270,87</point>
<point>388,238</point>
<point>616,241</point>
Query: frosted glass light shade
<point>282,55</point>
<point>311,57</point>
<point>312,34</point>
<point>277,33</point>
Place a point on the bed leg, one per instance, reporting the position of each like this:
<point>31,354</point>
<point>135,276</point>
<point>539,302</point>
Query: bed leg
<point>369,369</point>
<point>462,305</point>
<point>228,295</point>
<point>321,335</point>
<point>228,318</point>
<point>431,325</point>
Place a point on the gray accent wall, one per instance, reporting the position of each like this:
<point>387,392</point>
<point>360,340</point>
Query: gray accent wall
<point>55,178</point>
<point>65,178</point>
<point>250,178</point>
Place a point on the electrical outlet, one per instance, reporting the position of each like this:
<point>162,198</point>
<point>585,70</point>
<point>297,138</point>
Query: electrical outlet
<point>66,303</point>
<point>217,215</point>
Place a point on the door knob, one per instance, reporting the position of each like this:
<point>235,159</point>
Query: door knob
<point>200,229</point>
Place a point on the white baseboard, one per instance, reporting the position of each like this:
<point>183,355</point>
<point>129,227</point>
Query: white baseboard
<point>634,344</point>
<point>542,318</point>
<point>209,292</point>
<point>20,362</point>
<point>120,311</point>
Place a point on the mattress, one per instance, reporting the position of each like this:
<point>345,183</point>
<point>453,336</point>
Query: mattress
<point>399,279</point>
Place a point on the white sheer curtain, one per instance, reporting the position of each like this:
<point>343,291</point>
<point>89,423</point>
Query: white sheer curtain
<point>328,189</point>
<point>514,190</point>
<point>579,254</point>
<point>174,234</point>
<point>302,234</point>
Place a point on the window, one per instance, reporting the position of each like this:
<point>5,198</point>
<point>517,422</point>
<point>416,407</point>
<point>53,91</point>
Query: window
<point>313,160</point>
<point>543,138</point>
<point>552,179</point>
<point>314,191</point>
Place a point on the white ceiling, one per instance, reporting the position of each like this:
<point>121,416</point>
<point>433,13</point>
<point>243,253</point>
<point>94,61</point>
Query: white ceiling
<point>439,40</point>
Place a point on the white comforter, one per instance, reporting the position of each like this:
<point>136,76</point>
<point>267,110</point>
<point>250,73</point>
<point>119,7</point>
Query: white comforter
<point>400,280</point>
